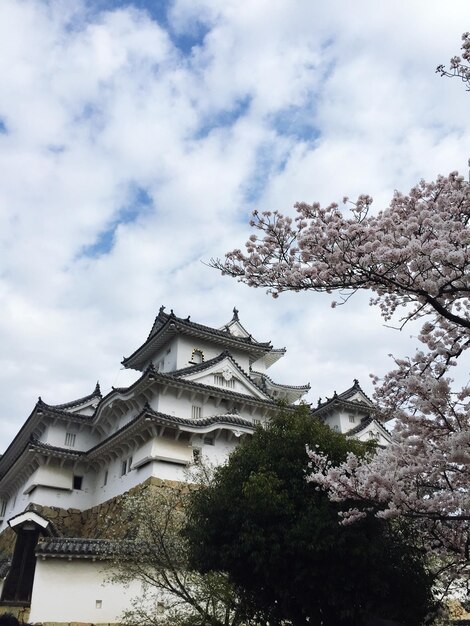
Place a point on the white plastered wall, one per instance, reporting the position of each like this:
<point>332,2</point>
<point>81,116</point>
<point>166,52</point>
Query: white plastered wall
<point>71,591</point>
<point>186,345</point>
<point>56,436</point>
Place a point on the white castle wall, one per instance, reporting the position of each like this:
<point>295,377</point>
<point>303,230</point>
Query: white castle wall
<point>55,435</point>
<point>186,345</point>
<point>80,593</point>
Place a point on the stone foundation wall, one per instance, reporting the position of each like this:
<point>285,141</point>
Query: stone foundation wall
<point>20,612</point>
<point>92,523</point>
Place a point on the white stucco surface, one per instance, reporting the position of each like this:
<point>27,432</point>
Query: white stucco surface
<point>71,591</point>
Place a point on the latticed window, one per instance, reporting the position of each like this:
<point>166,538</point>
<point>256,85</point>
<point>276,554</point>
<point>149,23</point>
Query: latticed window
<point>70,439</point>
<point>196,412</point>
<point>223,382</point>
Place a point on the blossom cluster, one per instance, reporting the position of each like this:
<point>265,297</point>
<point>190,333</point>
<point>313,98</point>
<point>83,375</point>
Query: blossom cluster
<point>459,66</point>
<point>414,256</point>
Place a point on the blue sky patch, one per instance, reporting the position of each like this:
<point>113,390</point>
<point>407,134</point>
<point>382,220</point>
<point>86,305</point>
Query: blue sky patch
<point>297,122</point>
<point>56,148</point>
<point>3,127</point>
<point>140,202</point>
<point>266,165</point>
<point>159,11</point>
<point>103,244</point>
<point>225,118</point>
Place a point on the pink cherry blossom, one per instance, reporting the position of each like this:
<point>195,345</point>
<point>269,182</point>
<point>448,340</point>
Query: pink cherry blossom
<point>414,256</point>
<point>459,65</point>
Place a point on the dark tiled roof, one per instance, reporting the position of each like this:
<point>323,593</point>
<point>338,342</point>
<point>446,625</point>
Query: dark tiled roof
<point>225,392</point>
<point>363,424</point>
<point>164,320</point>
<point>171,420</point>
<point>176,377</point>
<point>74,547</point>
<point>228,418</point>
<point>199,367</point>
<point>344,398</point>
<point>60,412</point>
<point>73,403</point>
<point>352,390</point>
<point>164,317</point>
<point>34,444</point>
<point>265,378</point>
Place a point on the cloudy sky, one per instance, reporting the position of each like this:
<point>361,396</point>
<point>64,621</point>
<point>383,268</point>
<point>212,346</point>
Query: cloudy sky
<point>137,137</point>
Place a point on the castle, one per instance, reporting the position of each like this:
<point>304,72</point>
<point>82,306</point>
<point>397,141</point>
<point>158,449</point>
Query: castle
<point>200,391</point>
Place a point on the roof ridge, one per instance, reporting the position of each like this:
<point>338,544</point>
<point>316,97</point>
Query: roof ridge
<point>53,409</point>
<point>35,442</point>
<point>96,393</point>
<point>199,367</point>
<point>219,358</point>
<point>203,421</point>
<point>264,375</point>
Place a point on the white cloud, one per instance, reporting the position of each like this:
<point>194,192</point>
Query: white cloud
<point>276,102</point>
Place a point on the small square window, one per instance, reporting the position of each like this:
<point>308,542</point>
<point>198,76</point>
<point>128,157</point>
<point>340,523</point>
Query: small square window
<point>123,468</point>
<point>3,508</point>
<point>209,440</point>
<point>77,482</point>
<point>105,478</point>
<point>98,604</point>
<point>196,455</point>
<point>352,419</point>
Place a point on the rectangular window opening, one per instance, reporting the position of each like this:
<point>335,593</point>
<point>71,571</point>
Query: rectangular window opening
<point>77,482</point>
<point>126,465</point>
<point>196,412</point>
<point>70,439</point>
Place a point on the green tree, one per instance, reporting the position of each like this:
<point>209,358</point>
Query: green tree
<point>154,552</point>
<point>279,540</point>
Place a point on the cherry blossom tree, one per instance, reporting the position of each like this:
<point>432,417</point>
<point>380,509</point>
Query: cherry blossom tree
<point>459,66</point>
<point>414,257</point>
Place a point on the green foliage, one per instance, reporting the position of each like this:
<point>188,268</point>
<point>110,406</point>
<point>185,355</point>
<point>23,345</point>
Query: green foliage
<point>154,553</point>
<point>279,538</point>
